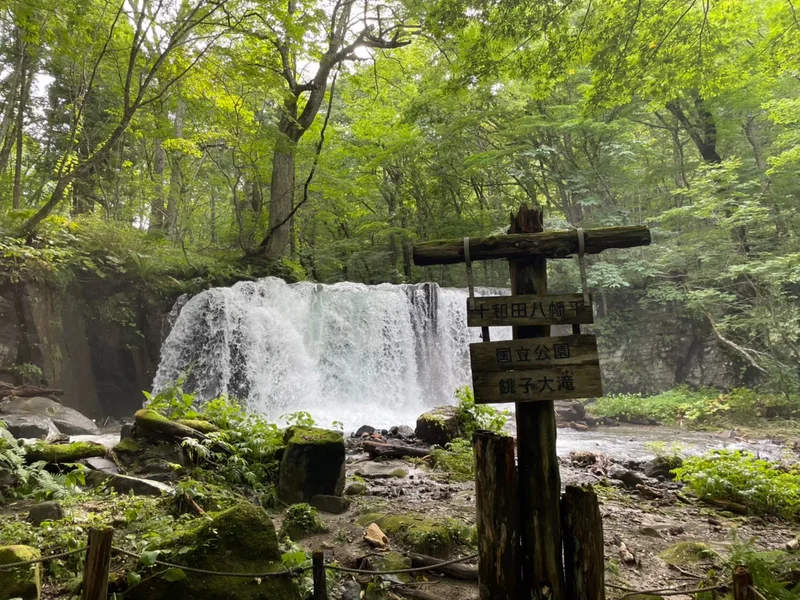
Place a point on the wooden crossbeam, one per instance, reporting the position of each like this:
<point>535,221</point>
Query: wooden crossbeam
<point>548,244</point>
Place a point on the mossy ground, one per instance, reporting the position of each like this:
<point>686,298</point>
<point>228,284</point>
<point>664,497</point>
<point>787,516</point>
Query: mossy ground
<point>128,445</point>
<point>688,553</point>
<point>22,582</point>
<point>435,537</point>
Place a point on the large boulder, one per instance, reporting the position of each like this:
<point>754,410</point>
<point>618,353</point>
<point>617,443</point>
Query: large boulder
<point>24,582</point>
<point>313,463</point>
<point>67,420</point>
<point>438,426</point>
<point>30,426</point>
<point>241,539</point>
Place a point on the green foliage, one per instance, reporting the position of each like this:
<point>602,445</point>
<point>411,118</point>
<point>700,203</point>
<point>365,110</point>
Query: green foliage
<point>299,418</point>
<point>763,487</point>
<point>456,459</point>
<point>773,571</point>
<point>473,417</point>
<point>301,520</point>
<point>682,405</point>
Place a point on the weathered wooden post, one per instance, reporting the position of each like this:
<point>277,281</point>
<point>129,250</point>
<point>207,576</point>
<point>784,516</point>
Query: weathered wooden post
<point>98,563</point>
<point>742,584</point>
<point>318,570</point>
<point>532,370</point>
<point>497,516</point>
<point>582,530</point>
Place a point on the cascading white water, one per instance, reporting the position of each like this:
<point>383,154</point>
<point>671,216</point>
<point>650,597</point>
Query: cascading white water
<point>347,352</point>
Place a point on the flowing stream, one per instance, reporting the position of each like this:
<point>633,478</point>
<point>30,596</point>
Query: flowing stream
<point>346,352</point>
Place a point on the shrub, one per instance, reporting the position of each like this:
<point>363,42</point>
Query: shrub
<point>761,486</point>
<point>456,459</point>
<point>301,521</point>
<point>473,417</point>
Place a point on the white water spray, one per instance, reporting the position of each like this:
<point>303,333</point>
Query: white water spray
<point>347,352</point>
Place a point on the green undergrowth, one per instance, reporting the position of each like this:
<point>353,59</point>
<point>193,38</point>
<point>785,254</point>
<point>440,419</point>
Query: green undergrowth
<point>703,407</point>
<point>760,486</point>
<point>301,520</point>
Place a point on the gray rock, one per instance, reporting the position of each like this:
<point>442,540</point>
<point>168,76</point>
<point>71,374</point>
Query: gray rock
<point>402,432</point>
<point>30,426</point>
<point>124,484</point>
<point>351,590</point>
<point>355,489</point>
<point>45,511</point>
<point>627,477</point>
<point>335,505</point>
<point>661,466</point>
<point>126,431</point>
<point>364,429</point>
<point>570,410</point>
<point>171,453</point>
<point>438,426</point>
<point>103,465</point>
<point>67,420</point>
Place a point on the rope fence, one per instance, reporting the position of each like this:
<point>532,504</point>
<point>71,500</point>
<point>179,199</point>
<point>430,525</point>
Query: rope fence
<point>296,571</point>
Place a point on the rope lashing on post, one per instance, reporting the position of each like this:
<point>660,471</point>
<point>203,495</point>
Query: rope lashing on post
<point>582,266</point>
<point>43,559</point>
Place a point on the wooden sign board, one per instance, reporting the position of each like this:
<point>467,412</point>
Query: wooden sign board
<point>554,383</point>
<point>551,309</point>
<point>534,353</point>
<point>527,370</point>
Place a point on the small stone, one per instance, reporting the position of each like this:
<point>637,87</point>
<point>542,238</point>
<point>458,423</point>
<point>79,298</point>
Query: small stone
<point>351,590</point>
<point>626,476</point>
<point>793,545</point>
<point>126,431</point>
<point>365,429</point>
<point>676,530</point>
<point>583,458</point>
<point>650,532</point>
<point>335,505</point>
<point>45,511</point>
<point>102,464</point>
<point>355,489</point>
<point>124,484</point>
<point>375,537</point>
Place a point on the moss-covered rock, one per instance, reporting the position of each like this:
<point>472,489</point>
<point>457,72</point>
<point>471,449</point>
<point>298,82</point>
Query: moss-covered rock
<point>150,424</point>
<point>356,489</point>
<point>438,426</point>
<point>199,425</point>
<point>128,446</point>
<point>688,553</point>
<point>389,561</point>
<point>241,539</point>
<point>63,453</point>
<point>435,537</point>
<point>313,463</point>
<point>23,582</point>
<point>301,521</point>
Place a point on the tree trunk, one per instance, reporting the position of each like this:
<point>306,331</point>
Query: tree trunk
<point>281,198</point>
<point>175,175</point>
<point>157,204</point>
<point>24,85</point>
<point>7,134</point>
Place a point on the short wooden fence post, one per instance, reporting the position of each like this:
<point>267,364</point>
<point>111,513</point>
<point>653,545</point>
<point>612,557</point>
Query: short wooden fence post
<point>496,500</point>
<point>320,583</point>
<point>98,563</point>
<point>742,584</point>
<point>582,531</point>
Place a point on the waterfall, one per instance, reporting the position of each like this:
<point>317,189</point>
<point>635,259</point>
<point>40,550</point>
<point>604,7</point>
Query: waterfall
<point>348,352</point>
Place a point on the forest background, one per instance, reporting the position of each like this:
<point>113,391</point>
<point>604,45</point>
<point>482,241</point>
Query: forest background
<point>211,140</point>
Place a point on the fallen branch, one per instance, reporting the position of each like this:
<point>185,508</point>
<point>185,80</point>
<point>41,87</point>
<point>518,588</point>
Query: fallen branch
<point>27,391</point>
<point>734,346</point>
<point>456,571</point>
<point>391,451</point>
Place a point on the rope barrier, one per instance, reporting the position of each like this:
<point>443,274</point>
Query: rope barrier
<point>665,591</point>
<point>402,571</point>
<point>23,563</point>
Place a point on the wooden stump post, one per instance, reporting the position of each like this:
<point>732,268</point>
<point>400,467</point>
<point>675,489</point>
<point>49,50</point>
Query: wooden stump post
<point>98,563</point>
<point>582,529</point>
<point>539,479</point>
<point>318,568</point>
<point>497,516</point>
<point>742,584</point>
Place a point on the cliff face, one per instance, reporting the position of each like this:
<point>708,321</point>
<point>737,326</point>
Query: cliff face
<point>100,348</point>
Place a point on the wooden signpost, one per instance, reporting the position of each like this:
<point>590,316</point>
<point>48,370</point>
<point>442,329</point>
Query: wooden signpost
<point>532,370</point>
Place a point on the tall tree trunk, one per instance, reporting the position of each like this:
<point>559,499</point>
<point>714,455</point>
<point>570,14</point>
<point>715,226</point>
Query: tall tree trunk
<point>281,197</point>
<point>7,133</point>
<point>24,85</point>
<point>175,175</point>
<point>157,203</point>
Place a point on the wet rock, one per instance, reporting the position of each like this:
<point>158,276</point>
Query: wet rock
<point>30,426</point>
<point>662,466</point>
<point>793,545</point>
<point>569,411</point>
<point>650,532</point>
<point>102,464</point>
<point>125,484</point>
<point>335,505</point>
<point>45,511</point>
<point>126,432</point>
<point>355,489</point>
<point>67,420</point>
<point>626,476</point>
<point>438,426</point>
<point>351,590</point>
<point>582,458</point>
<point>401,431</point>
<point>364,430</point>
<point>24,583</point>
<point>313,463</point>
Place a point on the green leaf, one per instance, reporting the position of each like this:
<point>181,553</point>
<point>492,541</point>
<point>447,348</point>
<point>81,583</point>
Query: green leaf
<point>149,557</point>
<point>174,574</point>
<point>133,578</point>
